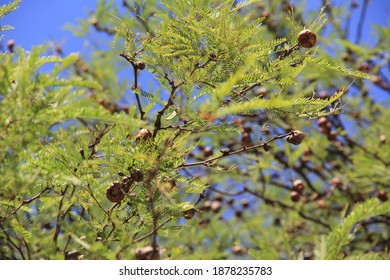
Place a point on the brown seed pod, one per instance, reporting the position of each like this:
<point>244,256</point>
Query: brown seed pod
<point>136,175</point>
<point>267,147</point>
<point>298,186</point>
<point>238,213</point>
<point>314,196</point>
<point>261,92</point>
<point>218,197</point>
<point>208,151</point>
<point>140,65</point>
<point>126,183</point>
<point>94,22</point>
<point>245,203</point>
<point>337,182</point>
<point>189,214</point>
<point>216,206</point>
<point>143,135</point>
<point>377,80</point>
<point>147,253</point>
<point>295,196</point>
<point>230,201</point>
<point>265,129</point>
<point>307,152</point>
<point>307,38</point>
<point>82,153</point>
<point>296,138</point>
<point>11,45</point>
<point>239,250</point>
<point>322,122</point>
<point>323,94</point>
<point>114,192</point>
<point>321,204</point>
<point>382,196</point>
<point>246,139</point>
<point>332,135</point>
<point>206,205</point>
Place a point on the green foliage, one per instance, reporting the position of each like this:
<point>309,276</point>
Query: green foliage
<point>95,165</point>
<point>344,232</point>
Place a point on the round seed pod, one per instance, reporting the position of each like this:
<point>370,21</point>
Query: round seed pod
<point>114,192</point>
<point>382,196</point>
<point>295,196</point>
<point>239,250</point>
<point>94,21</point>
<point>267,147</point>
<point>206,205</point>
<point>337,182</point>
<point>208,151</point>
<point>216,206</point>
<point>189,214</point>
<point>298,186</point>
<point>143,135</point>
<point>332,135</point>
<point>137,175</point>
<point>307,38</point>
<point>322,122</point>
<point>238,213</point>
<point>11,45</point>
<point>321,204</point>
<point>147,253</point>
<point>245,203</point>
<point>140,65</point>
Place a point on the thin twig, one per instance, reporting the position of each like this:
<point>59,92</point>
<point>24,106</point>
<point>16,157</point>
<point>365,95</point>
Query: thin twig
<point>130,59</point>
<point>361,22</point>
<point>152,232</point>
<point>24,202</point>
<point>135,10</point>
<point>288,207</point>
<point>135,87</point>
<point>12,243</point>
<point>230,153</point>
<point>59,216</point>
<point>157,123</point>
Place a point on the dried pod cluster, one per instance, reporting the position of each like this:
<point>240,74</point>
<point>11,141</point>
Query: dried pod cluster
<point>118,190</point>
<point>115,192</point>
<point>296,137</point>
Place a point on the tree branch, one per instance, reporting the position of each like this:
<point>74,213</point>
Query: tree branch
<point>24,202</point>
<point>230,153</point>
<point>151,233</point>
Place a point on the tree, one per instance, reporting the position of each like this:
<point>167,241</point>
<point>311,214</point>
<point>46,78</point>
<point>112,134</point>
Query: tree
<point>236,143</point>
